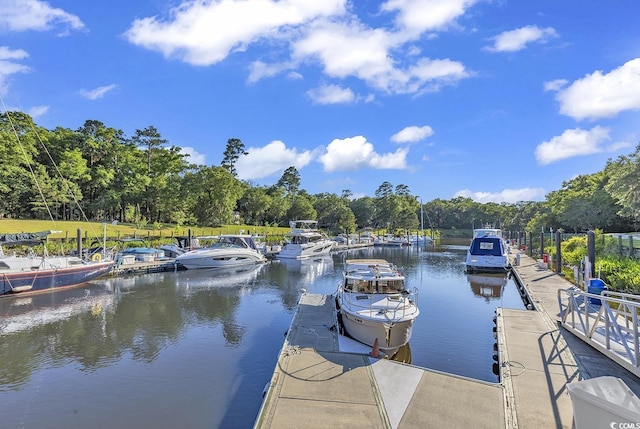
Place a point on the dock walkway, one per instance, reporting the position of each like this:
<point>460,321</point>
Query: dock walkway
<point>316,385</point>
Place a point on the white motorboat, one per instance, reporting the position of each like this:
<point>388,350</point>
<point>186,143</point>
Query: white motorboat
<point>488,252</point>
<point>230,250</point>
<point>373,304</point>
<point>305,240</point>
<point>391,240</point>
<point>182,245</point>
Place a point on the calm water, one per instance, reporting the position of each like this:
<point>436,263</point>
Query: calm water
<point>194,349</point>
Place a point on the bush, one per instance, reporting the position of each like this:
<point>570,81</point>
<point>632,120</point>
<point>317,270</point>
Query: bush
<point>621,274</point>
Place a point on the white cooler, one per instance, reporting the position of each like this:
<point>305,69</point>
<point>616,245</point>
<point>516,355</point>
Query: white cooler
<point>601,401</point>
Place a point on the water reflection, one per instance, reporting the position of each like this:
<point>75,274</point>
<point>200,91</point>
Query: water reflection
<point>488,286</point>
<point>244,276</point>
<point>308,269</point>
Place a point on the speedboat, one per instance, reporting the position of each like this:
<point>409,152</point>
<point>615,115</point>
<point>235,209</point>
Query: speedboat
<point>374,306</point>
<point>139,249</point>
<point>182,245</point>
<point>305,240</point>
<point>39,273</point>
<point>488,252</point>
<point>230,250</point>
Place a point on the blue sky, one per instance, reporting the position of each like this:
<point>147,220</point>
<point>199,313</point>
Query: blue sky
<point>498,101</point>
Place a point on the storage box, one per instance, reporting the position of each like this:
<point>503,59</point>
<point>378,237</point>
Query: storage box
<point>600,402</point>
<point>128,260</point>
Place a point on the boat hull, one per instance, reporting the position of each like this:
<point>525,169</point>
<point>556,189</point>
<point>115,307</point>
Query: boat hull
<point>40,280</point>
<point>390,336</point>
<point>198,260</point>
<point>487,264</point>
<point>307,250</point>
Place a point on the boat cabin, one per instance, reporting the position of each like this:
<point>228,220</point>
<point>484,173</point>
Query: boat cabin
<point>374,285</point>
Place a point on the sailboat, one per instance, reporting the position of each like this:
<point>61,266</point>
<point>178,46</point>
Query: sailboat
<point>38,273</point>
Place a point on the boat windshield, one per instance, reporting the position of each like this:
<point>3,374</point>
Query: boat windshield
<point>374,286</point>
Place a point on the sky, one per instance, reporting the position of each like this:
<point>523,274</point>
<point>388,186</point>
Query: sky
<point>495,100</point>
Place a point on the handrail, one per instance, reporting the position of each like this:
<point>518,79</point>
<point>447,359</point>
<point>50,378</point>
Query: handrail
<point>400,307</point>
<point>611,327</point>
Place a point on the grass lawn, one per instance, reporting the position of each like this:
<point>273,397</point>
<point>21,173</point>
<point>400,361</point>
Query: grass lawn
<point>68,229</point>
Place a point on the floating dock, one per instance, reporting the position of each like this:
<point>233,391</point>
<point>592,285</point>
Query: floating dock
<point>315,384</point>
<point>140,267</point>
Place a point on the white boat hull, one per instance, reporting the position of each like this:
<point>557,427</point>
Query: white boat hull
<point>198,259</point>
<point>390,336</point>
<point>306,250</point>
<point>481,263</point>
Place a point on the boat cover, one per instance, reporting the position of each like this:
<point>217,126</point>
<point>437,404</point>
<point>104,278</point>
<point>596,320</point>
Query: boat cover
<point>489,246</point>
<point>23,238</point>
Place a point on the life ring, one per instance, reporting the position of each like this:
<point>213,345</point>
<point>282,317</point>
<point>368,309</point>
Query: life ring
<point>96,257</point>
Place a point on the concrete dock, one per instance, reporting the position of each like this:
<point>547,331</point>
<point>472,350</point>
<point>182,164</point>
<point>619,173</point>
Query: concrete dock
<point>316,385</point>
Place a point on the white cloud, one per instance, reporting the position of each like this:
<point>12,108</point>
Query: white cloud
<point>601,95</point>
<point>412,134</point>
<point>272,158</point>
<point>555,85</point>
<point>354,153</point>
<point>574,142</point>
<point>351,50</point>
<point>37,111</point>
<point>193,157</point>
<point>203,33</point>
<point>260,70</point>
<point>506,196</point>
<point>331,94</point>
<point>429,15</point>
<point>94,94</point>
<point>516,40</point>
<point>23,15</point>
<point>9,65</point>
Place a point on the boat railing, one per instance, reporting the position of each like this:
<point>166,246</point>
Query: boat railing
<point>607,321</point>
<point>398,304</point>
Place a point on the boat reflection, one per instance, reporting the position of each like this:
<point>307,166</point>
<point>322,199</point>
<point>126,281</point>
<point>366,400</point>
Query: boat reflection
<point>28,313</point>
<point>488,286</point>
<point>218,277</point>
<point>311,268</point>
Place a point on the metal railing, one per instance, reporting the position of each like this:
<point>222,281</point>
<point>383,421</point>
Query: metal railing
<point>608,322</point>
<point>395,306</point>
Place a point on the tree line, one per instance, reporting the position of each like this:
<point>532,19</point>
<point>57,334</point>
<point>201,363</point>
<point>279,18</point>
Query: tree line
<point>98,173</point>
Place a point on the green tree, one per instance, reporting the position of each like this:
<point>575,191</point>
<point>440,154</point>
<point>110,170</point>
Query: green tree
<point>290,182</point>
<point>213,193</point>
<point>100,146</point>
<point>363,210</point>
<point>624,184</point>
<point>583,203</point>
<point>302,208</point>
<point>335,213</point>
<point>17,152</point>
<point>235,149</point>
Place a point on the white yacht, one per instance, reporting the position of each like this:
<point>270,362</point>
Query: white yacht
<point>488,252</point>
<point>230,250</point>
<point>305,240</point>
<point>373,304</point>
